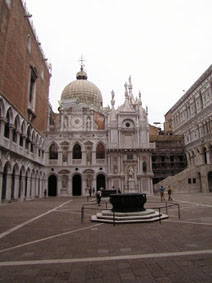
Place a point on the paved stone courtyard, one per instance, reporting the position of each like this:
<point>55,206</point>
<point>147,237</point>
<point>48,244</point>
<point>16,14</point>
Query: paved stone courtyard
<point>44,241</point>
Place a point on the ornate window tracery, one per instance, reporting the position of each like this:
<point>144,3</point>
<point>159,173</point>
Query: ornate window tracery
<point>77,153</point>
<point>53,151</point>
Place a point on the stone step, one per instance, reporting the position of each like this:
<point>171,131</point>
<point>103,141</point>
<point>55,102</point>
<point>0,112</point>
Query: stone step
<point>94,218</point>
<point>149,215</point>
<point>125,214</point>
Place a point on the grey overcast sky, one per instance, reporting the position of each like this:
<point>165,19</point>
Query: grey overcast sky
<point>165,45</point>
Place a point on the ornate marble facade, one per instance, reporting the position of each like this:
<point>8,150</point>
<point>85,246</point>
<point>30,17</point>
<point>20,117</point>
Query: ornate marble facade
<point>90,146</point>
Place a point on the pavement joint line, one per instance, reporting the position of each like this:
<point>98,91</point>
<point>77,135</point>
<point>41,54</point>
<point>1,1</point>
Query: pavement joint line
<point>105,258</point>
<point>195,203</point>
<point>189,222</point>
<point>2,235</point>
<point>68,212</point>
<point>50,237</point>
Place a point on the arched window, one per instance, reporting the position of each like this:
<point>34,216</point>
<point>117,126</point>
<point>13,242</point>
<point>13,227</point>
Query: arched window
<point>100,151</point>
<point>144,167</point>
<point>32,142</point>
<point>53,151</point>
<point>21,141</point>
<point>15,129</point>
<point>7,126</point>
<point>77,153</point>
<point>28,138</point>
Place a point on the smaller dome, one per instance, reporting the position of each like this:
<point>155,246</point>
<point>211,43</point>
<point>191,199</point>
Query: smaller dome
<point>82,91</point>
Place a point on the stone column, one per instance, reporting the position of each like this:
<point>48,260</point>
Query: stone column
<point>188,159</point>
<point>59,184</point>
<point>2,124</point>
<point>22,184</point>
<point>84,157</point>
<point>33,188</point>
<point>93,157</point>
<point>9,185</point>
<point>70,155</point>
<point>39,187</point>
<point>208,154</point>
<point>18,137</point>
<point>84,185</point>
<point>68,188</point>
<point>28,184</point>
<point>16,186</point>
<point>36,186</point>
<point>60,158</point>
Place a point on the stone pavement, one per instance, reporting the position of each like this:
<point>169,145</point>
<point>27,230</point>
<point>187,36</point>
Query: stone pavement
<point>44,241</point>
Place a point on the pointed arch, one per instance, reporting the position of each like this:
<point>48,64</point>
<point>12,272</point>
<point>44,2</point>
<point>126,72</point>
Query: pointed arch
<point>28,137</point>
<point>32,141</point>
<point>22,134</point>
<point>77,152</point>
<point>2,108</point>
<point>8,123</point>
<point>100,151</point>
<point>16,128</point>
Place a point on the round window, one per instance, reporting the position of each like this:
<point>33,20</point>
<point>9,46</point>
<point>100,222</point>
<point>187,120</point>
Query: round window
<point>127,124</point>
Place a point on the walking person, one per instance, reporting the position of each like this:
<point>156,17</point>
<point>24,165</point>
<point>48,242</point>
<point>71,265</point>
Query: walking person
<point>162,190</point>
<point>98,197</point>
<point>169,193</point>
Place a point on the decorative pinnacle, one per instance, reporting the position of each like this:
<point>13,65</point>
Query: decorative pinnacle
<point>112,94</point>
<point>112,100</point>
<point>126,91</point>
<point>139,94</point>
<point>139,97</point>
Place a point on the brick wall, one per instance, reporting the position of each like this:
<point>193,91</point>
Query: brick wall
<point>15,60</point>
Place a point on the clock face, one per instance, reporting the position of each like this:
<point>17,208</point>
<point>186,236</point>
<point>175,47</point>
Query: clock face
<point>76,122</point>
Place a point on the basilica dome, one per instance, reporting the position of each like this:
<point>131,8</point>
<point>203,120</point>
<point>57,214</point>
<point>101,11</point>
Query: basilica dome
<point>82,91</point>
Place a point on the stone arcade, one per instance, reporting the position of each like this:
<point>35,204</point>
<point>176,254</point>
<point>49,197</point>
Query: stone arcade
<point>91,146</point>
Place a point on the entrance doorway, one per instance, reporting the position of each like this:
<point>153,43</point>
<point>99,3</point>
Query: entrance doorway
<point>100,181</point>
<point>210,181</point>
<point>76,185</point>
<point>52,186</point>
